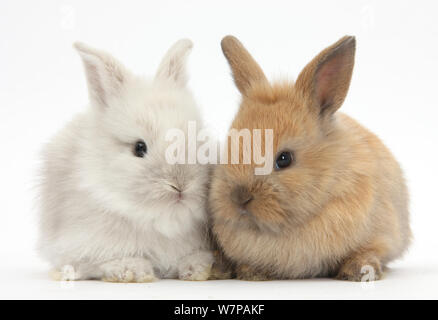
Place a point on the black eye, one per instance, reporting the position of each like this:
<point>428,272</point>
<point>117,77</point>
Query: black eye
<point>284,160</point>
<point>140,149</point>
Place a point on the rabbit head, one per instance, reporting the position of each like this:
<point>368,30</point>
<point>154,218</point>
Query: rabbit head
<point>123,161</point>
<point>304,149</point>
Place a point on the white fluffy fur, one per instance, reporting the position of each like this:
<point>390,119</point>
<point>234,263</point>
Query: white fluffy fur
<point>107,214</point>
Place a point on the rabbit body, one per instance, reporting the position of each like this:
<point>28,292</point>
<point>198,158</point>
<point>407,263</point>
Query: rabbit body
<point>340,207</point>
<point>109,214</point>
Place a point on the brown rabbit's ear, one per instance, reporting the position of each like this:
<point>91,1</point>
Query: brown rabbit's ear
<point>245,69</point>
<point>326,79</point>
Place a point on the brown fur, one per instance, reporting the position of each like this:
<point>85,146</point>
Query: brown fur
<point>343,203</point>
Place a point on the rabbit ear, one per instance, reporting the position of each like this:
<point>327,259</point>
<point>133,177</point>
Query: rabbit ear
<point>245,69</point>
<point>106,77</point>
<point>173,65</point>
<point>326,79</point>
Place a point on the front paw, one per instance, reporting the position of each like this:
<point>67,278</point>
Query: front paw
<point>66,273</point>
<point>246,273</point>
<point>195,273</point>
<point>196,267</point>
<point>361,270</point>
<point>128,270</point>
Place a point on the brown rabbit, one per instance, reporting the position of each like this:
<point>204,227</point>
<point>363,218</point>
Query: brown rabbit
<point>335,204</point>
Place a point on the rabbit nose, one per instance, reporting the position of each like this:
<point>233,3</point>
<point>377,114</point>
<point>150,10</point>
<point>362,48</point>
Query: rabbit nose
<point>241,196</point>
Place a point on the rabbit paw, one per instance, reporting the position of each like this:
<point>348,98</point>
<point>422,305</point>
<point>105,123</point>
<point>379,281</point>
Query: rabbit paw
<point>361,270</point>
<point>128,270</point>
<point>246,273</point>
<point>196,267</point>
<point>66,273</point>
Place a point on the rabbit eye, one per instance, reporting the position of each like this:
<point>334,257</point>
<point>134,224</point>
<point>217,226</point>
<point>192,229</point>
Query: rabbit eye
<point>140,149</point>
<point>284,160</point>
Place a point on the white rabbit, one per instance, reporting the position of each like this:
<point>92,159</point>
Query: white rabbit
<point>111,207</point>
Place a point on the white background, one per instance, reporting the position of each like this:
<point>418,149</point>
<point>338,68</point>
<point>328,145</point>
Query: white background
<point>393,92</point>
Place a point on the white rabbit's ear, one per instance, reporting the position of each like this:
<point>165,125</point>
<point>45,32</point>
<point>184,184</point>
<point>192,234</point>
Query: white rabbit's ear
<point>173,66</point>
<point>106,77</point>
